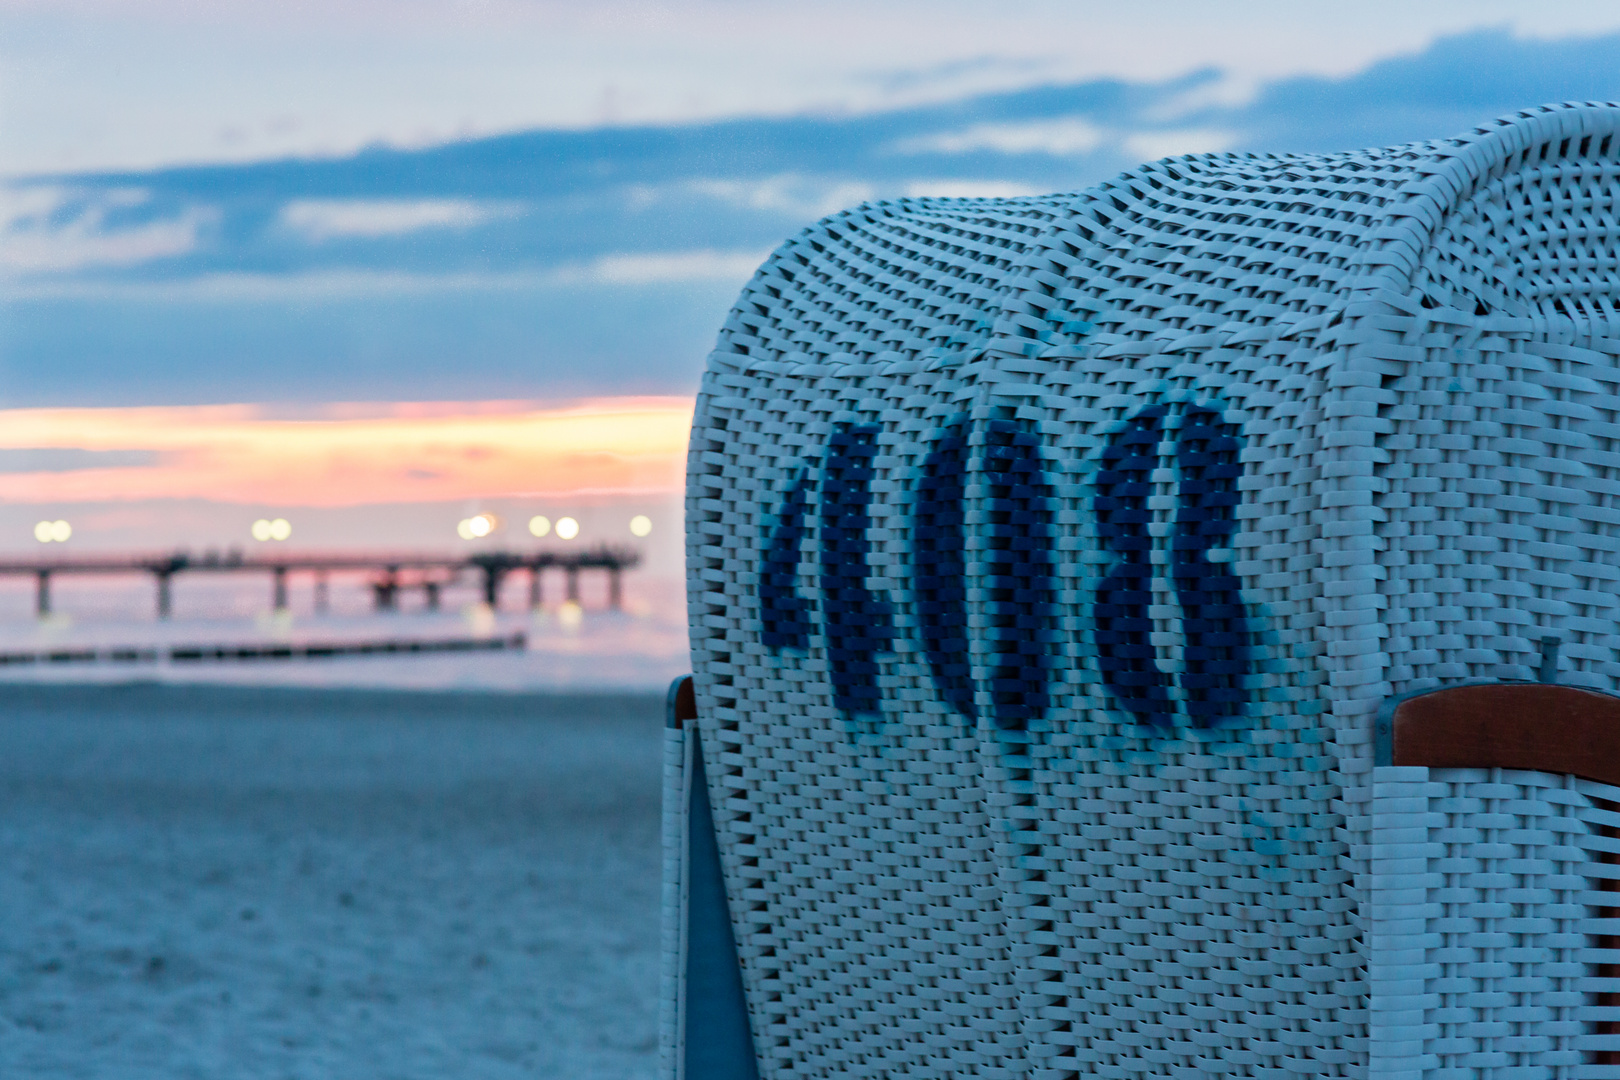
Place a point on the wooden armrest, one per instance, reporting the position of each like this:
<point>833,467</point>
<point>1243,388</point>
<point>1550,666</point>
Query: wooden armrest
<point>1539,726</point>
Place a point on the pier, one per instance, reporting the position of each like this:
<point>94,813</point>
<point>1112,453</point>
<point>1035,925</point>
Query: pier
<point>389,574</point>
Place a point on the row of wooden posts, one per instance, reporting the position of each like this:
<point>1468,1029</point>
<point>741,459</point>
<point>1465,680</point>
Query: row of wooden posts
<point>390,574</point>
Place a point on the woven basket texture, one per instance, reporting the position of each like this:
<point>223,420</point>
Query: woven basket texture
<point>1049,558</point>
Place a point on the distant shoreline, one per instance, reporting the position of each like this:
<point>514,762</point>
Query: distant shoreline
<point>138,690</point>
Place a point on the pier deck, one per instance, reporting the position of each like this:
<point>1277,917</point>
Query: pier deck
<point>391,573</point>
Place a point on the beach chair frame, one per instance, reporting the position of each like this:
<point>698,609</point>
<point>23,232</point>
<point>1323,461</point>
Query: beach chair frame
<point>1051,562</point>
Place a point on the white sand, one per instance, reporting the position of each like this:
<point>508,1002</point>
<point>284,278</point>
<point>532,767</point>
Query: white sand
<point>217,882</point>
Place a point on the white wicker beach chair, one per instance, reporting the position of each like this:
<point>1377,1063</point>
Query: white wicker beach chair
<point>1165,630</point>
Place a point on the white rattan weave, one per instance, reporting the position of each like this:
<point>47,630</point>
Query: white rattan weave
<point>1415,354</point>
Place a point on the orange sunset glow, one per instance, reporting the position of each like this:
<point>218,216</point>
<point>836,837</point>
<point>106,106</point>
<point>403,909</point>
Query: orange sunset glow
<point>350,455</point>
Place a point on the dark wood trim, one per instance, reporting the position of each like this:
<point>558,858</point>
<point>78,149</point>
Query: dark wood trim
<point>1539,726</point>
<point>680,705</point>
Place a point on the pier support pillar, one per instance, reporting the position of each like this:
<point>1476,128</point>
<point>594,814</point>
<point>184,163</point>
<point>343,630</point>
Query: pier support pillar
<point>42,594</point>
<point>492,584</point>
<point>322,596</point>
<point>573,584</point>
<point>279,590</point>
<point>534,588</point>
<point>165,602</point>
<point>386,590</point>
<point>615,593</point>
<point>431,590</point>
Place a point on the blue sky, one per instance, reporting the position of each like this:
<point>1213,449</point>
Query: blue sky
<point>477,201</point>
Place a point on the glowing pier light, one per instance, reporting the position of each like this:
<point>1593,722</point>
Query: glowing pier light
<point>539,525</point>
<point>47,532</point>
<point>477,527</point>
<point>640,525</point>
<point>266,529</point>
<point>567,528</point>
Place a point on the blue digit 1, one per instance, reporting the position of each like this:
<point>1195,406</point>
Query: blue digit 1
<point>1214,623</point>
<point>784,613</point>
<point>858,622</point>
<point>1123,627</point>
<point>939,566</point>
<point>1019,575</point>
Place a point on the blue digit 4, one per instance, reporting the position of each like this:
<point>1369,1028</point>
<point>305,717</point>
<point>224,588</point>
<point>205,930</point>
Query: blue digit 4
<point>939,566</point>
<point>1019,575</point>
<point>1123,627</point>
<point>784,613</point>
<point>858,622</point>
<point>1215,625</point>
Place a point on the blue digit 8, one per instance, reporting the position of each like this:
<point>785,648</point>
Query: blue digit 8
<point>939,566</point>
<point>1215,624</point>
<point>1216,629</point>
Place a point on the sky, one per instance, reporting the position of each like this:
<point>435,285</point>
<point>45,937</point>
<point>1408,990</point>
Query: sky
<point>435,254</point>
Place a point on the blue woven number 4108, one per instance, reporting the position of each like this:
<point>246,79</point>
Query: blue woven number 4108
<point>1014,570</point>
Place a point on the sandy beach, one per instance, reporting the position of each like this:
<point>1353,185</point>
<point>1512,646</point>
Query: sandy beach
<point>229,882</point>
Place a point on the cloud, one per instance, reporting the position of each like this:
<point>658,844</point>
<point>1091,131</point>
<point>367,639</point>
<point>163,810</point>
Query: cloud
<point>91,82</point>
<point>259,287</point>
<point>1455,84</point>
<point>798,196</point>
<point>49,229</point>
<point>666,267</point>
<point>1153,145</point>
<point>233,453</point>
<point>366,219</point>
<point>1063,136</point>
<point>62,459</point>
<point>1220,91</point>
<point>971,189</point>
<point>1071,137</point>
<point>617,250</point>
<point>629,269</point>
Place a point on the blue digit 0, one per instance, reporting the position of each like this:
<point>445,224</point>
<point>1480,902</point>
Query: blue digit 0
<point>1019,575</point>
<point>1123,627</point>
<point>939,566</point>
